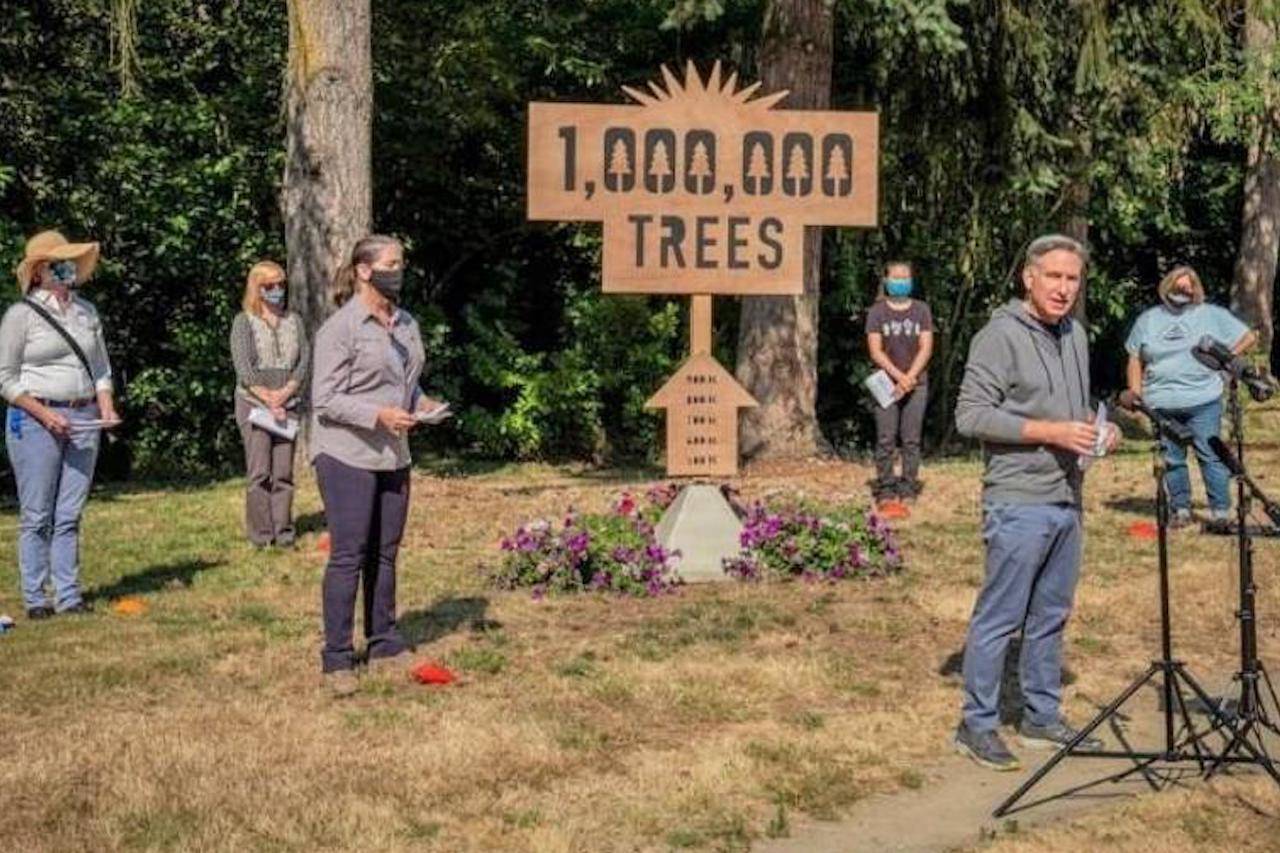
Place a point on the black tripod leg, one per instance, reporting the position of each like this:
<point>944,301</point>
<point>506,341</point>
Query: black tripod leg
<point>1239,739</point>
<point>1062,753</point>
<point>1141,766</point>
<point>1264,718</point>
<point>1266,676</point>
<point>1192,737</point>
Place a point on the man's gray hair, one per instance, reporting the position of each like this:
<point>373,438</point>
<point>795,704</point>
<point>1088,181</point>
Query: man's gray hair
<point>1042,246</point>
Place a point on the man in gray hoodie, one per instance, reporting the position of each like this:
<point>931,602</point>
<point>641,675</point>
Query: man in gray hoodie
<point>1026,397</point>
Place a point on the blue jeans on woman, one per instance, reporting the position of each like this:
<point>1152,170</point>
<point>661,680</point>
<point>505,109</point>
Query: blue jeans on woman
<point>1203,422</point>
<point>53,477</point>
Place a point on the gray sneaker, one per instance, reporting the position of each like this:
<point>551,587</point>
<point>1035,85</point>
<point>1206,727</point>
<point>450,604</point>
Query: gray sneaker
<point>341,683</point>
<point>986,748</point>
<point>390,665</point>
<point>1054,736</point>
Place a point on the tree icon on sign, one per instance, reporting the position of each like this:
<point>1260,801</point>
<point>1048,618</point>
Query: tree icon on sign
<point>797,168</point>
<point>757,169</point>
<point>660,167</point>
<point>620,164</point>
<point>837,179</point>
<point>700,168</point>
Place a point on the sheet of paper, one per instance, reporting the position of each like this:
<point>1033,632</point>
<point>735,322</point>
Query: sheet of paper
<point>263,419</point>
<point>434,416</point>
<point>90,426</point>
<point>881,387</point>
<point>1099,443</point>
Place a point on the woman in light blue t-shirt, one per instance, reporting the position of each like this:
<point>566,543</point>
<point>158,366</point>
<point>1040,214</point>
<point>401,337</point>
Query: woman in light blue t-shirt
<point>1163,371</point>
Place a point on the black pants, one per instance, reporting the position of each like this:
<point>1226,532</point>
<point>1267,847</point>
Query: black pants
<point>366,513</point>
<point>904,419</point>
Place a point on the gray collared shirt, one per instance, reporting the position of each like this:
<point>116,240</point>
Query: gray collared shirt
<point>360,367</point>
<point>35,359</point>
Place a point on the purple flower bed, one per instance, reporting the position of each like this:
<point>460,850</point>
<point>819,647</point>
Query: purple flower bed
<point>618,551</point>
<point>796,540</point>
<point>615,551</point>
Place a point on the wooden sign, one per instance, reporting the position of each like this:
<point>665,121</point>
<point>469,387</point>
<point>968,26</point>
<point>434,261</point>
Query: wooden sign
<point>702,187</point>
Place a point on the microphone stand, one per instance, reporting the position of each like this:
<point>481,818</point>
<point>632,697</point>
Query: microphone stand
<point>1181,741</point>
<point>1251,714</point>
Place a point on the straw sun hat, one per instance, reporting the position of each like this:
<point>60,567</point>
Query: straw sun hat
<point>52,246</point>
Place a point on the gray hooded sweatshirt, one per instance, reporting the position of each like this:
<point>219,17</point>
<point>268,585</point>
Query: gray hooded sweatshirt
<point>1019,369</point>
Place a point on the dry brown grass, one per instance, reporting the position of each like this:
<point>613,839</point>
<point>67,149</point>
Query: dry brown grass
<point>587,724</point>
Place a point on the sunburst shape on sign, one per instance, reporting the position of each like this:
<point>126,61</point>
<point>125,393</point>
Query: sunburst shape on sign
<point>694,90</point>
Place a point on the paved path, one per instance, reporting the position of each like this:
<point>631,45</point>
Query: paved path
<point>954,808</point>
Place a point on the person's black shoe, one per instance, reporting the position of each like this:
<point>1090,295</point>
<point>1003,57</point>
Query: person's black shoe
<point>1054,736</point>
<point>986,748</point>
<point>884,489</point>
<point>80,607</point>
<point>39,612</point>
<point>1218,527</point>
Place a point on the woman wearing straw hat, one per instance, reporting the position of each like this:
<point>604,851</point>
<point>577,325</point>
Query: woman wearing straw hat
<point>55,375</point>
<point>270,354</point>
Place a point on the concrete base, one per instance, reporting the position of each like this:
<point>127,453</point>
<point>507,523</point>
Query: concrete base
<point>703,527</point>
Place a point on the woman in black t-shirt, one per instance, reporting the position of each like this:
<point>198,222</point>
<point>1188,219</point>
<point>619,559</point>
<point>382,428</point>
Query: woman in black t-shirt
<point>900,339</point>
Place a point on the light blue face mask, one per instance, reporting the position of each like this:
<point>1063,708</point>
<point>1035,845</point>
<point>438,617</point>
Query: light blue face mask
<point>63,273</point>
<point>898,288</point>
<point>273,296</point>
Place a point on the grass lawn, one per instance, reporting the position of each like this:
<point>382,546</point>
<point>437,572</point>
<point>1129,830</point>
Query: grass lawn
<point>703,720</point>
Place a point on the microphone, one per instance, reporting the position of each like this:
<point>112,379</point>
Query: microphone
<point>1215,355</point>
<point>1131,402</point>
<point>1229,458</point>
<point>1227,455</point>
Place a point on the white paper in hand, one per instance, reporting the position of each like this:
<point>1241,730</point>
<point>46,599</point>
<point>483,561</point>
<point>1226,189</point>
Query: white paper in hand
<point>263,419</point>
<point>434,416</point>
<point>91,426</point>
<point>882,388</point>
<point>1099,443</point>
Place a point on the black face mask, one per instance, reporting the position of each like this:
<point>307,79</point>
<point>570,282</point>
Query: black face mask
<point>388,283</point>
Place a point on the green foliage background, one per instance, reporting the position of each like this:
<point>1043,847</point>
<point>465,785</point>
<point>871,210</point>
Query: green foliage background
<point>987,108</point>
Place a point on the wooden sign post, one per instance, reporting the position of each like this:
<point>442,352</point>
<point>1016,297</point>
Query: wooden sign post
<point>703,188</point>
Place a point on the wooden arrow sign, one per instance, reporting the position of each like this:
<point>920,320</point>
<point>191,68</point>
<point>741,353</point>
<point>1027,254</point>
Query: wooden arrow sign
<point>702,401</point>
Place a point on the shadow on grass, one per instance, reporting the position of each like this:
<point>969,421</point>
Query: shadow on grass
<point>444,618</point>
<point>155,578</point>
<point>1134,504</point>
<point>311,522</point>
<point>1011,703</point>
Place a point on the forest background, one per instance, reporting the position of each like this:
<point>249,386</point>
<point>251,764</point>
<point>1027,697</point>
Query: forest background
<point>159,128</point>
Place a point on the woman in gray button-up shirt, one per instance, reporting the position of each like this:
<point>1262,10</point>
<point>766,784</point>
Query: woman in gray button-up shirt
<point>271,357</point>
<point>57,403</point>
<point>365,399</point>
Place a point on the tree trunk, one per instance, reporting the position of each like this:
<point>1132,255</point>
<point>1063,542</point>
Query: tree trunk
<point>778,335</point>
<point>1077,195</point>
<point>1253,290</point>
<point>327,195</point>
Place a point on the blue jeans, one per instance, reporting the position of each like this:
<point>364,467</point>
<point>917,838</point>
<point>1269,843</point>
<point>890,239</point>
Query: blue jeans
<point>53,477</point>
<point>1033,562</point>
<point>1203,421</point>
